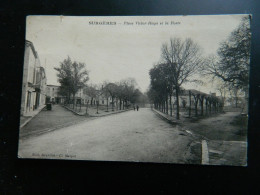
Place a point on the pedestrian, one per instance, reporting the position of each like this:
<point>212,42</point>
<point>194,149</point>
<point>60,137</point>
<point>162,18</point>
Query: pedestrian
<point>134,107</point>
<point>137,107</point>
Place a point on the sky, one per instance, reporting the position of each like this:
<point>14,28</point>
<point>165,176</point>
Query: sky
<point>126,48</point>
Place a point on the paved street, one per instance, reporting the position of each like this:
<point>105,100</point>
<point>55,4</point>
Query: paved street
<point>129,136</point>
<point>133,136</point>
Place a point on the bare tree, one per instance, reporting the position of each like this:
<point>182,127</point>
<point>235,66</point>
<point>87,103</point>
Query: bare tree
<point>231,65</point>
<point>223,88</point>
<point>106,93</point>
<point>128,87</point>
<point>111,90</point>
<point>235,95</point>
<point>94,91</point>
<point>90,90</point>
<point>184,59</point>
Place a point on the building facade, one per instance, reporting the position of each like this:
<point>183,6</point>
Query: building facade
<point>34,81</point>
<point>52,94</point>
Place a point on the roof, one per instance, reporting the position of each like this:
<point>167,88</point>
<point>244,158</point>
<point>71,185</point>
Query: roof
<point>194,91</point>
<point>30,44</point>
<point>53,85</point>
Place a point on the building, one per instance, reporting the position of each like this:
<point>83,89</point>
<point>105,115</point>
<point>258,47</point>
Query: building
<point>34,81</point>
<point>52,94</point>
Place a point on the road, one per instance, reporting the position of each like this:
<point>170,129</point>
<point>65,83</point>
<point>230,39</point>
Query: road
<point>138,136</point>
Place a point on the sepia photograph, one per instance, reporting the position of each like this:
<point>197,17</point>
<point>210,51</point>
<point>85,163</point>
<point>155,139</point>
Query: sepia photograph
<point>153,89</point>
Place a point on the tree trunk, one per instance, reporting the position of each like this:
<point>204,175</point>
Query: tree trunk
<point>107,104</point>
<point>206,105</point>
<point>164,107</point>
<point>201,105</point>
<point>97,106</point>
<point>196,108</point>
<point>177,102</point>
<point>87,108</point>
<point>74,101</point>
<point>190,104</point>
<point>196,105</point>
<point>170,104</point>
<point>167,105</point>
<point>236,100</point>
<point>112,103</point>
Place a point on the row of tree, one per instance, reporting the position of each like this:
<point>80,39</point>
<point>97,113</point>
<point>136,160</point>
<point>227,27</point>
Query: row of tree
<point>73,76</point>
<point>123,93</point>
<point>181,60</point>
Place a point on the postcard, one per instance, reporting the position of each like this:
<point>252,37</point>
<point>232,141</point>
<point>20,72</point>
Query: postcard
<point>154,89</point>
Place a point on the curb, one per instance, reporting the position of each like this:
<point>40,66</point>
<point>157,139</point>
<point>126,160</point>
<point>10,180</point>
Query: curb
<point>110,113</point>
<point>73,111</point>
<point>205,153</point>
<point>164,118</point>
<point>94,115</point>
<point>29,119</point>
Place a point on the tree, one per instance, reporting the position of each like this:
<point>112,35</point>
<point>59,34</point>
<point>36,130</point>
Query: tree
<point>127,89</point>
<point>72,76</point>
<point>94,91</point>
<point>232,63</point>
<point>90,90</point>
<point>235,93</point>
<point>111,89</point>
<point>139,97</point>
<point>184,60</point>
<point>120,93</point>
<point>65,78</point>
<point>105,91</point>
<point>223,88</point>
<point>160,84</point>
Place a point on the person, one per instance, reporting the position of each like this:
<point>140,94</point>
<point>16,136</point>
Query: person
<point>137,107</point>
<point>134,107</point>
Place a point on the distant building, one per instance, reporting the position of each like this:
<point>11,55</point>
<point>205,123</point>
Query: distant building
<point>34,81</point>
<point>52,94</point>
<point>184,98</point>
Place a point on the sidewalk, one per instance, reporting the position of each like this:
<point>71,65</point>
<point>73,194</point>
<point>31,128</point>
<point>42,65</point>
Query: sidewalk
<point>48,120</point>
<point>171,119</point>
<point>227,153</point>
<point>223,137</point>
<point>27,117</point>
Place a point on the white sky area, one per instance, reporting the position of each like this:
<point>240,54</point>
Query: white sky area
<point>115,52</point>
